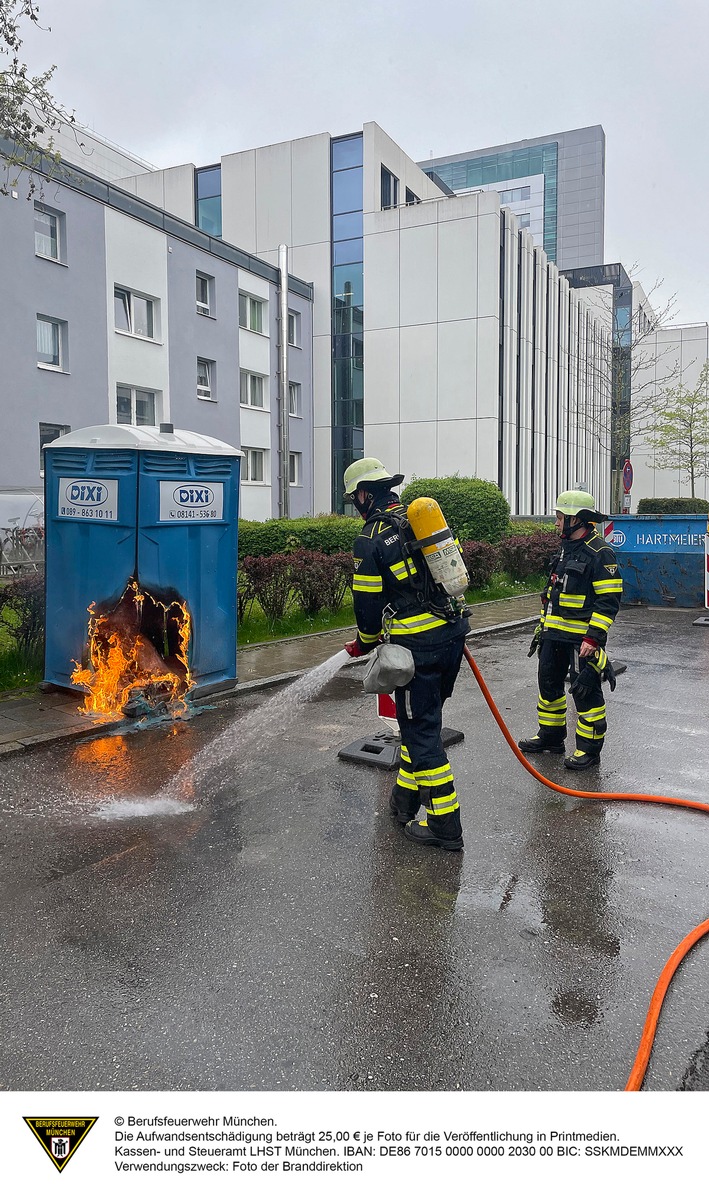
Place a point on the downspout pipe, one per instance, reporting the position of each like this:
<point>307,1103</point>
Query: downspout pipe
<point>283,406</point>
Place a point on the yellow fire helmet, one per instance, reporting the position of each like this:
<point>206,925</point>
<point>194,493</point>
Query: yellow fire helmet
<point>368,470</point>
<point>578,504</point>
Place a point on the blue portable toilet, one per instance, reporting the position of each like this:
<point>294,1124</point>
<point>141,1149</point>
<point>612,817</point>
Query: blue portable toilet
<point>156,509</point>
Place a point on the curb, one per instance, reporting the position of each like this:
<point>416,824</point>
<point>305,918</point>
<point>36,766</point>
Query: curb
<point>220,699</point>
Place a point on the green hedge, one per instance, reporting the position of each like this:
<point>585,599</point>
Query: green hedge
<point>666,505</point>
<point>474,509</point>
<point>329,534</point>
<point>529,528</point>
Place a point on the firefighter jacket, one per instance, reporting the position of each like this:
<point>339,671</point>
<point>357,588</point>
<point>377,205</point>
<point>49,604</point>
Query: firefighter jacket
<point>383,580</point>
<point>582,596</point>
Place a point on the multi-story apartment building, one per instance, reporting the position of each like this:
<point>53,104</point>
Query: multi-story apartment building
<point>116,311</point>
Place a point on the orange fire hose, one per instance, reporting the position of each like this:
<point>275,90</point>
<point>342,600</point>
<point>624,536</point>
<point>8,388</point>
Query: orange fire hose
<point>642,1057</point>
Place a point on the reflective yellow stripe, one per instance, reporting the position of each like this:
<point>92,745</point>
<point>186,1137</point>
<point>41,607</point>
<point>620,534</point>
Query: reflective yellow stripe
<point>367,583</point>
<point>572,599</point>
<point>565,624</point>
<point>399,569</point>
<point>447,804</point>
<point>405,756</point>
<point>405,780</point>
<point>608,585</point>
<point>415,624</point>
<point>601,621</point>
<point>589,732</point>
<point>548,719</point>
<point>594,714</point>
<point>369,638</point>
<point>435,777</point>
<point>552,705</point>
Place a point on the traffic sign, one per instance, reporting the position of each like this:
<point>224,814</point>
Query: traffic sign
<point>627,475</point>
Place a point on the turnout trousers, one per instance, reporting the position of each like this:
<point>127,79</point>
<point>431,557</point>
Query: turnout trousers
<point>555,659</point>
<point>425,775</point>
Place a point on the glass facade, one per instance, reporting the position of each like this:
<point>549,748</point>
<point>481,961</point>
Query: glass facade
<point>347,310</point>
<point>615,275</point>
<point>510,164</point>
<point>208,200</point>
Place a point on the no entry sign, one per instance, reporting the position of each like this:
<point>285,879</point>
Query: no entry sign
<point>627,475</point>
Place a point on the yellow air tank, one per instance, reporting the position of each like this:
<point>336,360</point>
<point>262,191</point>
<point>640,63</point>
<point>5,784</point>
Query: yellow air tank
<point>441,553</point>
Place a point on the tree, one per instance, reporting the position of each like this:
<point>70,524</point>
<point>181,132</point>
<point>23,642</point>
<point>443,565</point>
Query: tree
<point>29,114</point>
<point>679,433</point>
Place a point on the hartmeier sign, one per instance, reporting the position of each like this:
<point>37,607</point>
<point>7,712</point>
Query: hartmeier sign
<point>88,499</point>
<point>191,500</point>
<point>648,535</point>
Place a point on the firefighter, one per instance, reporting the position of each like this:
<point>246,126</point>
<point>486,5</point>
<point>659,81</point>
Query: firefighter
<point>579,604</point>
<point>390,590</point>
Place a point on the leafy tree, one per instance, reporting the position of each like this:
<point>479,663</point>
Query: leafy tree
<point>679,431</point>
<point>29,114</point>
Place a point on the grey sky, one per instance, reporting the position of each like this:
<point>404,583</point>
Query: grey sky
<point>187,82</point>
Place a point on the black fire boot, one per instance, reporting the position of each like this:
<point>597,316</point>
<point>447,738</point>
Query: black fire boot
<point>581,760</point>
<point>403,804</point>
<point>537,745</point>
<point>445,832</point>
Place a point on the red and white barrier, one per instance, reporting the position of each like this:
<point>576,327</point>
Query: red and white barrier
<point>386,711</point>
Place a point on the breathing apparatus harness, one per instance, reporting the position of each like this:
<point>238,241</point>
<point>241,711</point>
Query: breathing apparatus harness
<point>430,594</point>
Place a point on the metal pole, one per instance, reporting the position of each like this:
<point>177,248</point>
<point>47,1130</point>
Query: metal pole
<point>283,406</point>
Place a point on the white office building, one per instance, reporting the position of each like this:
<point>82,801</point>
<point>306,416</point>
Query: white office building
<point>444,340</point>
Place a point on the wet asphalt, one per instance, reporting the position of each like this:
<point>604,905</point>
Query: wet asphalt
<point>276,931</point>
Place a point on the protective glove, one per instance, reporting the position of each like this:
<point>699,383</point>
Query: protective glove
<point>599,664</point>
<point>608,675</point>
<point>535,642</point>
<point>354,649</point>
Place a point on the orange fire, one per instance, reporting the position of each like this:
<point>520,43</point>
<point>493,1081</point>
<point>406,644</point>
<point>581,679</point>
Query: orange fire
<point>125,662</point>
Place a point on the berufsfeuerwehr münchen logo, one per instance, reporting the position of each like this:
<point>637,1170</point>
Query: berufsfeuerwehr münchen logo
<point>60,1136</point>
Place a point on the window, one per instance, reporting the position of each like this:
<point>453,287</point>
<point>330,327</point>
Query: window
<point>251,313</point>
<point>205,294</point>
<point>208,200</point>
<point>252,465</point>
<point>133,314</point>
<point>512,194</point>
<point>251,389</point>
<point>294,329</point>
<point>295,465</point>
<point>205,379</point>
<point>51,343</point>
<point>411,197</point>
<point>135,406</point>
<point>294,399</point>
<point>524,220</point>
<point>48,433</point>
<point>390,189</point>
<point>48,232</point>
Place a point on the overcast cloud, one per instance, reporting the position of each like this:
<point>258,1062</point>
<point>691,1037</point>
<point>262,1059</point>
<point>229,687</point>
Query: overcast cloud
<point>176,82</point>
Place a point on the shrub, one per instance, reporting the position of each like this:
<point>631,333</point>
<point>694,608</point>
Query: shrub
<point>480,560</point>
<point>666,505</point>
<point>522,555</point>
<point>475,509</point>
<point>22,611</point>
<point>319,580</point>
<point>270,580</point>
<point>244,595</point>
<point>528,528</point>
<point>328,534</point>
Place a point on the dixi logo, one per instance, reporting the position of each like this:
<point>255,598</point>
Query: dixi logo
<point>193,497</point>
<point>617,538</point>
<point>86,491</point>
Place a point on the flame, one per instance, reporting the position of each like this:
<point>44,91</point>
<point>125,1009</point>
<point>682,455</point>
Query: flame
<point>124,660</point>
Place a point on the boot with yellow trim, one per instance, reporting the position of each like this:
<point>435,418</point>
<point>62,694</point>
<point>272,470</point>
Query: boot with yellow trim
<point>581,760</point>
<point>537,745</point>
<point>444,832</point>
